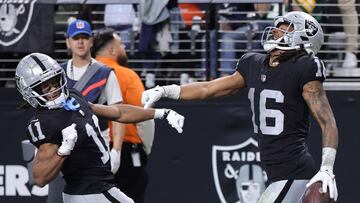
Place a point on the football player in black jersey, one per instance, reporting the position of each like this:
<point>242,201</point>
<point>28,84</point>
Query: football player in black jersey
<point>67,135</point>
<point>284,86</point>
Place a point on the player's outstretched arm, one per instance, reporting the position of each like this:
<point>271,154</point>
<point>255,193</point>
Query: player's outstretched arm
<point>315,97</point>
<point>124,113</point>
<point>195,91</point>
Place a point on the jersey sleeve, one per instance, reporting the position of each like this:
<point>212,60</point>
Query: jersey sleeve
<point>313,70</point>
<point>40,132</point>
<point>243,65</point>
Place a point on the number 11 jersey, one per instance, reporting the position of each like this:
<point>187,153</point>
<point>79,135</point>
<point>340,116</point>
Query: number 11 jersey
<point>87,169</point>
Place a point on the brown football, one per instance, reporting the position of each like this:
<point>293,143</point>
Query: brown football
<point>313,195</point>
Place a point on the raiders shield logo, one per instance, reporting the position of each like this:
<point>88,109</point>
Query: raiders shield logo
<point>14,20</point>
<point>238,175</point>
<point>311,28</point>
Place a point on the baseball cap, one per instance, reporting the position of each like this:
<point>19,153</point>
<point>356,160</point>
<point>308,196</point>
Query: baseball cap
<point>78,27</point>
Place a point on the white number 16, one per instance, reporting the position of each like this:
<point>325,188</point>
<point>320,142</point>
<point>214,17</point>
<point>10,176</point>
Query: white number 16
<point>267,113</point>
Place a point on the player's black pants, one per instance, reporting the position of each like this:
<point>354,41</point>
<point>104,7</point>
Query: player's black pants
<point>301,168</point>
<point>131,178</point>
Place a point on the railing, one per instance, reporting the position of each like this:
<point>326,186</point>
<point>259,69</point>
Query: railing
<point>196,56</point>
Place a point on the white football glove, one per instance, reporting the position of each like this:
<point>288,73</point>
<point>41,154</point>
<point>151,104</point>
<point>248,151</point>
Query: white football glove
<point>150,96</point>
<point>69,135</point>
<point>326,175</point>
<point>328,181</point>
<point>174,119</point>
<point>115,159</point>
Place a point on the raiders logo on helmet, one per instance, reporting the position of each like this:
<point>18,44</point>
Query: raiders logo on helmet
<point>310,28</point>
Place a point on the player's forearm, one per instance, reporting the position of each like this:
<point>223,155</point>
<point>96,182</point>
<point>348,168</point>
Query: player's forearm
<point>195,91</point>
<point>217,88</point>
<point>316,99</point>
<point>330,134</point>
<point>134,114</point>
<point>46,168</point>
<point>123,113</point>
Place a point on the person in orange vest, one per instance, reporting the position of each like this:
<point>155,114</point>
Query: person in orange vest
<point>137,138</point>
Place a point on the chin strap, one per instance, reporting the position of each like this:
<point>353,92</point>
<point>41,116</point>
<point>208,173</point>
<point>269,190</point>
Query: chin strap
<point>56,103</point>
<point>271,44</point>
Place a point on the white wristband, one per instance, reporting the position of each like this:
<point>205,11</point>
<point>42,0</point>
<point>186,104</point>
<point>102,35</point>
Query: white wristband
<point>160,113</point>
<point>172,91</point>
<point>62,152</point>
<point>328,158</point>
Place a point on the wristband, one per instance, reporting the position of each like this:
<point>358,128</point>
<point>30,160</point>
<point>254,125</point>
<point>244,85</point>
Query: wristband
<point>172,91</point>
<point>161,113</point>
<point>60,154</point>
<point>328,158</point>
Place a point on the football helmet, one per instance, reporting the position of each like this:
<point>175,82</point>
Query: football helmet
<point>307,33</point>
<point>32,71</point>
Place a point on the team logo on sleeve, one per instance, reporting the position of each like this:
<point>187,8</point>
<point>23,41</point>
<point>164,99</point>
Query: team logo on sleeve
<point>15,18</point>
<point>311,28</point>
<point>237,172</point>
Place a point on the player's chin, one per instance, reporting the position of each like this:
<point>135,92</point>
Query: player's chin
<point>53,96</point>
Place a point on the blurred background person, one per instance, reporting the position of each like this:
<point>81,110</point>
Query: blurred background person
<point>136,143</point>
<point>235,29</point>
<point>95,81</point>
<point>351,24</point>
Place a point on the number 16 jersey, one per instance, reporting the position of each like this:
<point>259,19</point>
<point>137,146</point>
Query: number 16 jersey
<point>280,114</point>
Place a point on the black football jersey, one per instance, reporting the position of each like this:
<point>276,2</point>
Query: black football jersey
<point>280,114</point>
<point>87,169</point>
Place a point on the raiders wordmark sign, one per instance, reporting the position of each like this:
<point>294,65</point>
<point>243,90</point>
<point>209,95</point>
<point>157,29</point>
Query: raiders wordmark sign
<point>237,172</point>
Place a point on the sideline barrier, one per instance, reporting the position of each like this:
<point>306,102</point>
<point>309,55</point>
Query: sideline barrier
<point>200,165</point>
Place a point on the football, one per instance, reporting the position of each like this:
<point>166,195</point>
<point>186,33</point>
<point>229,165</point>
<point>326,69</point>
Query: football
<point>313,195</point>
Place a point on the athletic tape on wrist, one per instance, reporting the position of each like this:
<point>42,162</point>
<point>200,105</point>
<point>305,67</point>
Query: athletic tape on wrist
<point>328,158</point>
<point>172,91</point>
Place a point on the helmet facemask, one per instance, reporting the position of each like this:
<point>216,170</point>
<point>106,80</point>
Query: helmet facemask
<point>270,41</point>
<point>41,81</point>
<point>56,85</point>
